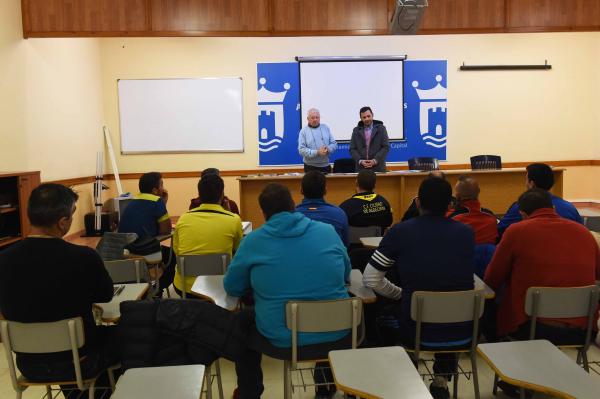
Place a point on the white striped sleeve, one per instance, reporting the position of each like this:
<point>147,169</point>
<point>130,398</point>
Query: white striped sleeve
<point>381,262</point>
<point>375,279</point>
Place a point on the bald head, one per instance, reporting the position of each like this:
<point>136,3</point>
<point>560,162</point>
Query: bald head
<point>467,188</point>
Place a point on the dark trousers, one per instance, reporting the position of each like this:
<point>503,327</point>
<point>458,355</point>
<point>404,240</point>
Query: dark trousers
<point>169,271</point>
<point>249,372</point>
<point>324,169</point>
<point>105,353</point>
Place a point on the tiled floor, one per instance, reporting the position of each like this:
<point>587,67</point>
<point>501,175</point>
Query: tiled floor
<point>273,376</point>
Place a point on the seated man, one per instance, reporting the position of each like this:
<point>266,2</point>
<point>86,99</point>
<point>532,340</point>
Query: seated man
<point>481,220</point>
<point>147,216</point>
<point>44,278</point>
<point>543,250</point>
<point>227,204</point>
<point>428,253</point>
<point>541,176</point>
<point>366,208</point>
<point>413,210</point>
<point>207,229</point>
<point>289,257</point>
<point>314,206</point>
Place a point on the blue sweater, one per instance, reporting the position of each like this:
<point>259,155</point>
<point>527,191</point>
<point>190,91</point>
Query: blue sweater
<point>318,209</point>
<point>289,257</point>
<point>562,207</point>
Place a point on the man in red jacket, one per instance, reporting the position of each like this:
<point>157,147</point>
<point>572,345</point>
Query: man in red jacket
<point>544,250</point>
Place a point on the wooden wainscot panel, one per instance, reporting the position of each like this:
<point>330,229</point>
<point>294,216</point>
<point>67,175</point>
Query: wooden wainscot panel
<point>210,15</point>
<point>84,16</point>
<point>463,15</point>
<point>331,15</point>
<point>528,15</point>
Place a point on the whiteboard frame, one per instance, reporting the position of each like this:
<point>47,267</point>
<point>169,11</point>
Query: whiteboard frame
<point>182,151</point>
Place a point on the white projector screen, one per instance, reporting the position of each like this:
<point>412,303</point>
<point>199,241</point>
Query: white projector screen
<point>181,115</point>
<point>340,89</point>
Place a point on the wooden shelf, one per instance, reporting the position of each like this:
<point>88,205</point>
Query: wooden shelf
<point>8,210</point>
<point>8,240</point>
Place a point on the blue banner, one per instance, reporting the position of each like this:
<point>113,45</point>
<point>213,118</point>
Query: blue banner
<point>425,114</point>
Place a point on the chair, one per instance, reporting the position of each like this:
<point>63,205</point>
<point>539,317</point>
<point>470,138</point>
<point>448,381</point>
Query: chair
<point>356,233</point>
<point>204,265</point>
<point>344,165</point>
<point>562,303</point>
<point>201,265</point>
<point>486,162</point>
<point>319,316</point>
<point>127,270</point>
<point>448,307</point>
<point>423,163</point>
<point>58,336</point>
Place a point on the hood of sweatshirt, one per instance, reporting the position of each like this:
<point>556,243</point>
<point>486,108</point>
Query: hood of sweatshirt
<point>287,224</point>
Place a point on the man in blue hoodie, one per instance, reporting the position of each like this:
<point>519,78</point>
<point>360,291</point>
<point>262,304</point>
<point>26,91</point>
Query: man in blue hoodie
<point>290,257</point>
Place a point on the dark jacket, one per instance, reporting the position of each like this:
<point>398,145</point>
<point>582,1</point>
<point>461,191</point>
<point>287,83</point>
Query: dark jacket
<point>378,149</point>
<point>178,331</point>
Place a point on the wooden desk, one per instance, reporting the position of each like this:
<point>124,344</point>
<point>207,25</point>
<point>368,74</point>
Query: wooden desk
<point>111,312</point>
<point>211,287</point>
<point>377,373</point>
<point>540,366</point>
<point>181,382</point>
<point>370,242</point>
<point>499,188</point>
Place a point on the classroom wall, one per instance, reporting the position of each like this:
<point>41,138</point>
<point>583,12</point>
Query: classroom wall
<point>51,101</point>
<point>522,115</point>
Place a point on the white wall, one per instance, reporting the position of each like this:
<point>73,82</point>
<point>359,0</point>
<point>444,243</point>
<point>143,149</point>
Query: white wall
<point>522,115</point>
<point>51,100</point>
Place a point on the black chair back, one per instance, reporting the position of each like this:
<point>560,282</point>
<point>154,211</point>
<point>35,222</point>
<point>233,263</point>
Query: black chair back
<point>344,165</point>
<point>423,163</point>
<point>486,162</point>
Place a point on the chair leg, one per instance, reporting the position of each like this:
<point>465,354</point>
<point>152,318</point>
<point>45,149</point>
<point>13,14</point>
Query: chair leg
<point>586,364</point>
<point>475,375</point>
<point>522,393</point>
<point>219,382</point>
<point>49,391</point>
<point>455,386</point>
<point>495,387</point>
<point>207,376</point>
<point>19,394</point>
<point>111,379</point>
<point>287,384</point>
<point>91,390</point>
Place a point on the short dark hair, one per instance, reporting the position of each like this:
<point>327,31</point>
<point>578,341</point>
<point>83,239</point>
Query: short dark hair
<point>366,179</point>
<point>275,198</point>
<point>534,199</point>
<point>365,109</point>
<point>541,174</point>
<point>149,181</point>
<point>210,171</point>
<point>435,195</point>
<point>210,188</point>
<point>50,202</point>
<point>313,184</point>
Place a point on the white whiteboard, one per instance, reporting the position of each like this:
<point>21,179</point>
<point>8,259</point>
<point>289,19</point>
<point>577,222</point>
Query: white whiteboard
<point>340,89</point>
<point>181,115</point>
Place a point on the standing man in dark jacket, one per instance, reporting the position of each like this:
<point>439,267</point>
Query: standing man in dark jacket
<point>369,144</point>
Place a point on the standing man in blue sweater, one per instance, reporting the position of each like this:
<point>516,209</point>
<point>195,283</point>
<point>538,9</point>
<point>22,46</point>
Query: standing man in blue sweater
<point>290,257</point>
<point>316,143</point>
<point>541,176</point>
